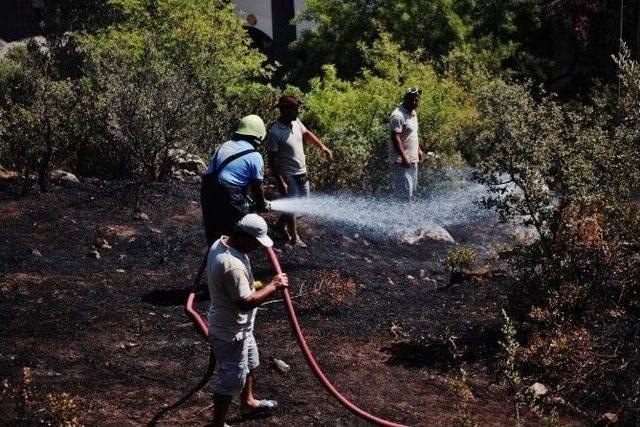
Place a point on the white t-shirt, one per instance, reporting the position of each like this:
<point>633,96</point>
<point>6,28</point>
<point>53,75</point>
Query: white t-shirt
<point>287,143</point>
<point>229,279</point>
<point>406,124</point>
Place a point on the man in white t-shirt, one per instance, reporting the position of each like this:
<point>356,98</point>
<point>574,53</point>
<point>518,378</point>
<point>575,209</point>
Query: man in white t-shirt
<point>404,145</point>
<point>232,314</point>
<point>284,142</point>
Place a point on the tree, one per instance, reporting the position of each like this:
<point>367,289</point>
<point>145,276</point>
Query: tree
<point>34,115</point>
<point>154,107</point>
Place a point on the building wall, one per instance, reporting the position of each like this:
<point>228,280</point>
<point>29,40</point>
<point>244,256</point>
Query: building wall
<point>261,9</point>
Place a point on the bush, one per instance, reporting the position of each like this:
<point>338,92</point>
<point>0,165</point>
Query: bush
<point>352,116</point>
<point>154,107</point>
<point>573,175</point>
<point>34,113</point>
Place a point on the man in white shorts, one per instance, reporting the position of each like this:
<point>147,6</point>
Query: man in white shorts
<point>232,313</point>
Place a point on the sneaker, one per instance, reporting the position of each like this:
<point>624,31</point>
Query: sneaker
<point>264,406</point>
<point>298,244</point>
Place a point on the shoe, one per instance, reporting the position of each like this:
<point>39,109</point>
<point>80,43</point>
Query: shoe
<point>298,244</point>
<point>264,406</point>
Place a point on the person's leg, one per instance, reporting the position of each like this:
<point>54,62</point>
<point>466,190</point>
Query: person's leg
<point>221,405</point>
<point>401,182</point>
<point>231,373</point>
<point>411,179</point>
<point>247,401</point>
<point>300,189</point>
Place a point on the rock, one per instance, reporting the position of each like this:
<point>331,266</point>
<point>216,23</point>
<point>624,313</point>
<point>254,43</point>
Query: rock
<point>538,390</point>
<point>410,277</point>
<point>93,253</point>
<point>103,243</point>
<point>141,216</point>
<point>63,176</point>
<point>281,365</point>
<point>120,270</point>
<point>607,419</point>
<point>7,174</point>
<point>431,232</point>
<point>36,253</point>
<point>182,160</point>
<point>155,230</point>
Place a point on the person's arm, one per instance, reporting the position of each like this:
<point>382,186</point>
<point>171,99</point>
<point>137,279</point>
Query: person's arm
<point>255,299</point>
<point>397,144</point>
<point>313,139</point>
<point>273,146</point>
<point>275,168</point>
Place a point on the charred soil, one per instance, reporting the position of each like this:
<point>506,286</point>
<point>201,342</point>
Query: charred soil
<point>109,329</point>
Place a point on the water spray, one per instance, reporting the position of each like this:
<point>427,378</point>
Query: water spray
<point>389,217</point>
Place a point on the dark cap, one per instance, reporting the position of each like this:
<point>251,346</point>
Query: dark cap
<point>288,101</point>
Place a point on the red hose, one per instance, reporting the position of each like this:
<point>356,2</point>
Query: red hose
<point>312,362</point>
<point>204,331</point>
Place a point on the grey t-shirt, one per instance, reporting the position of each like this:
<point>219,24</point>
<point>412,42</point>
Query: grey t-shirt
<point>287,143</point>
<point>229,279</point>
<point>405,123</point>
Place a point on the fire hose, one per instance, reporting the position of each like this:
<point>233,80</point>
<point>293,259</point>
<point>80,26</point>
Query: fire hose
<point>203,329</point>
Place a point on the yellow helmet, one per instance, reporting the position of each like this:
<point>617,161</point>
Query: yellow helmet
<point>252,126</point>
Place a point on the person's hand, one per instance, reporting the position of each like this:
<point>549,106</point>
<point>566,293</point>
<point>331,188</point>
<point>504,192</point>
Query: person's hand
<point>262,208</point>
<point>420,155</point>
<point>328,153</point>
<point>280,281</point>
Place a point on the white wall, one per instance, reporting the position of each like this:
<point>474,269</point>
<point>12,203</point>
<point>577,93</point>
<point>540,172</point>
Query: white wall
<point>299,6</point>
<point>261,9</point>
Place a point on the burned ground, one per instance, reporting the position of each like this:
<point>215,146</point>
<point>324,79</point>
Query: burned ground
<point>112,333</point>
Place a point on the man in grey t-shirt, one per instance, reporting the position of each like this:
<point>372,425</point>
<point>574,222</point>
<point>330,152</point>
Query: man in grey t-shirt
<point>232,314</point>
<point>404,145</point>
<point>284,142</point>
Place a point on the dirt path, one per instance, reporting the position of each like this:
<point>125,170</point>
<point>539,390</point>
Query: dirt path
<point>111,331</point>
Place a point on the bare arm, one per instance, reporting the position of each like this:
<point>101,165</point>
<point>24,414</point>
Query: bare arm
<point>397,144</point>
<point>313,139</point>
<point>255,299</point>
<point>275,168</point>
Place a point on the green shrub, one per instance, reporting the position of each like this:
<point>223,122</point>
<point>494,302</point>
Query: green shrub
<point>34,114</point>
<point>573,175</point>
<point>352,116</point>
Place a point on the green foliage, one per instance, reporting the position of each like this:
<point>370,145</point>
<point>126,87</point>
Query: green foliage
<point>205,38</point>
<point>351,116</point>
<point>431,29</point>
<point>573,174</point>
<point>34,113</point>
<point>153,107</point>
<point>461,258</point>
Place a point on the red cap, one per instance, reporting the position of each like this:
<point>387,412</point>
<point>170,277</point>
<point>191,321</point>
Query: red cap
<point>288,101</point>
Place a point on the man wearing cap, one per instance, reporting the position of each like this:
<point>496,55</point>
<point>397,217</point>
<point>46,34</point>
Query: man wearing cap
<point>232,313</point>
<point>236,168</point>
<point>284,142</point>
<point>404,145</point>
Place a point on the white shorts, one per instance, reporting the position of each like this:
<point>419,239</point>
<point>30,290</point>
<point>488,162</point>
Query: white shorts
<point>234,361</point>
